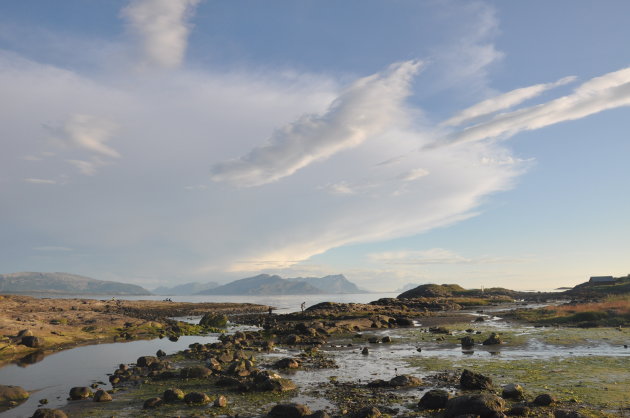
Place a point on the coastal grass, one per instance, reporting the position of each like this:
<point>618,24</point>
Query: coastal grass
<point>612,311</point>
<point>600,382</point>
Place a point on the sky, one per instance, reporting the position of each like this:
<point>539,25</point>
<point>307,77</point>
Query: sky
<point>158,142</point>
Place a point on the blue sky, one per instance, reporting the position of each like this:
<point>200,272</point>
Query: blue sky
<point>159,142</point>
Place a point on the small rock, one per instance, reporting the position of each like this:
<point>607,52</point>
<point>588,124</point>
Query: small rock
<point>483,405</point>
<point>373,340</point>
<point>49,413</point>
<point>152,403</point>
<point>287,363</point>
<point>80,392</point>
<point>102,396</point>
<point>386,339</point>
<point>160,353</point>
<point>467,342</point>
<point>31,341</point>
<point>434,399</point>
<point>173,395</point>
<point>365,351</point>
<point>474,381</point>
<point>544,399</point>
<point>12,394</point>
<point>493,339</point>
<point>513,391</point>
<point>220,402</point>
<point>519,411</point>
<point>146,361</point>
<point>405,380</point>
<point>289,410</point>
<point>367,412</point>
<point>197,398</point>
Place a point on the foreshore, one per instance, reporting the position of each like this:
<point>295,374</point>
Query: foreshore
<point>59,324</point>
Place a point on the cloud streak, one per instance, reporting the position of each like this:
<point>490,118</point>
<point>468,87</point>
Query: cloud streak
<point>161,29</point>
<point>366,109</point>
<point>608,91</point>
<point>503,101</point>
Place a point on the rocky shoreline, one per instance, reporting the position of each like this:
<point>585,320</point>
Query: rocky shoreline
<point>276,369</point>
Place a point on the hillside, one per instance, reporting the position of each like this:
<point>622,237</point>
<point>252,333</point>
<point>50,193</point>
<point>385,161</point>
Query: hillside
<point>454,290</point>
<point>265,284</point>
<point>64,283</point>
<point>620,286</point>
<point>336,283</point>
<point>185,289</point>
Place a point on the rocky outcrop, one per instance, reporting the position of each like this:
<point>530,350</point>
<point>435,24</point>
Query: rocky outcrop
<point>474,381</point>
<point>12,395</point>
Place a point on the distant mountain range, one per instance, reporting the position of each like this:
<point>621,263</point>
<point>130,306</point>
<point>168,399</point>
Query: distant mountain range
<point>265,284</point>
<point>64,283</point>
<point>185,289</point>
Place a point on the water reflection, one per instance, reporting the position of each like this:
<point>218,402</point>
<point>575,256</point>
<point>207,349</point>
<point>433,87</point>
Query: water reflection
<point>30,359</point>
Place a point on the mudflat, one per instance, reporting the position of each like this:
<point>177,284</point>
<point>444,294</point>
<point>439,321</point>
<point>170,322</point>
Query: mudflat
<point>54,324</point>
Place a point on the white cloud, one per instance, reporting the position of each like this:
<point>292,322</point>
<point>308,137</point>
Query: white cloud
<point>609,91</point>
<point>364,110</point>
<point>413,174</point>
<point>503,101</point>
<point>40,181</point>
<point>161,28</point>
<point>434,256</point>
<point>90,133</point>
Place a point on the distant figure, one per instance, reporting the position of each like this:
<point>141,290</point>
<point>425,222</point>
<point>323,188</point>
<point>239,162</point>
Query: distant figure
<point>303,305</point>
<point>270,310</point>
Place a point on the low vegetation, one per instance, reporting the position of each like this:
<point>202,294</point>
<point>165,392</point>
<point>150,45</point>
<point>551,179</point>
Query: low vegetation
<point>612,311</point>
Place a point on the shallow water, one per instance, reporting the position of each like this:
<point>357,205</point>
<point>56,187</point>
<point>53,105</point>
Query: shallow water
<point>53,377</point>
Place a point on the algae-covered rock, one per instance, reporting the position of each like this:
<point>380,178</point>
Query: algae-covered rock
<point>484,405</point>
<point>289,410</point>
<point>102,396</point>
<point>214,320</point>
<point>12,395</point>
<point>80,392</point>
<point>49,413</point>
<point>198,398</point>
<point>173,395</point>
<point>474,381</point>
<point>434,399</point>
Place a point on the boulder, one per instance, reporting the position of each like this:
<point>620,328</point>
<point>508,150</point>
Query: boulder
<point>367,412</point>
<point>289,410</point>
<point>31,341</point>
<point>102,396</point>
<point>152,403</point>
<point>513,391</point>
<point>404,322</point>
<point>386,339</point>
<point>146,361</point>
<point>373,340</point>
<point>544,399</point>
<point>197,398</point>
<point>365,351</point>
<point>173,395</point>
<point>160,353</point>
<point>474,381</point>
<point>214,320</point>
<point>493,339</point>
<point>287,363</point>
<point>195,372</point>
<point>11,395</point>
<point>434,399</point>
<point>220,402</point>
<point>292,339</point>
<point>467,342</point>
<point>25,333</point>
<point>484,405</point>
<point>276,385</point>
<point>404,380</point>
<point>80,392</point>
<point>49,413</point>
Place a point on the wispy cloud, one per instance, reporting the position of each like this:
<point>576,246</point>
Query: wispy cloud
<point>40,181</point>
<point>53,248</point>
<point>608,91</point>
<point>90,133</point>
<point>161,28</point>
<point>503,101</point>
<point>367,108</point>
<point>435,256</point>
